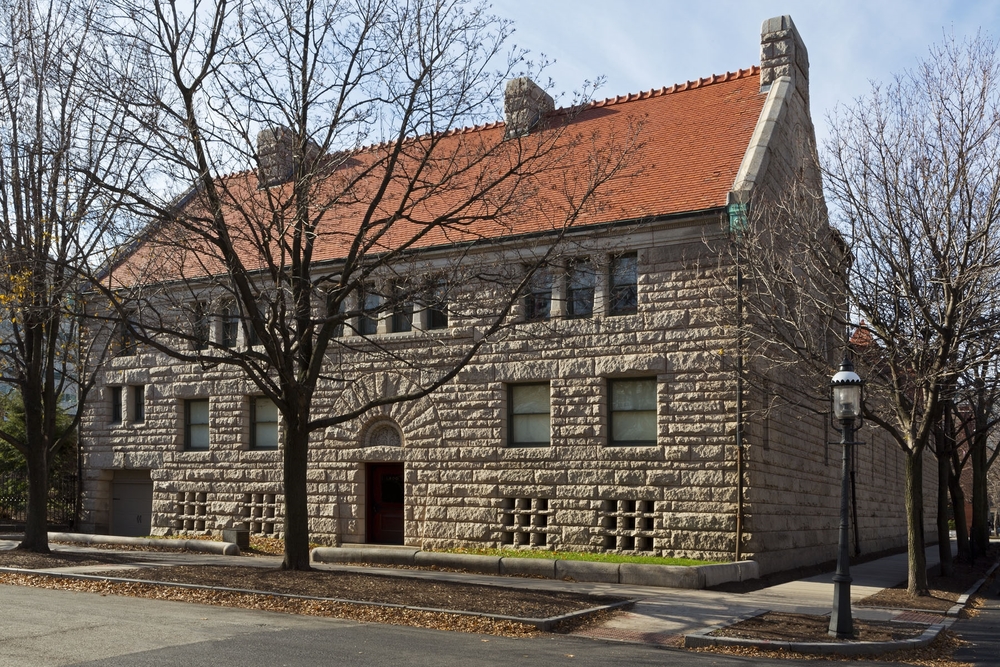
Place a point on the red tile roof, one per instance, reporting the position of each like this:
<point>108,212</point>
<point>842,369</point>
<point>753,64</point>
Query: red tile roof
<point>691,139</point>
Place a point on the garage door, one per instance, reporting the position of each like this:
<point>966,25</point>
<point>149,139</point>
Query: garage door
<point>131,503</point>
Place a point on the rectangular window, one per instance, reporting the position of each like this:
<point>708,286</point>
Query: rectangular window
<point>139,404</point>
<point>196,424</point>
<point>369,302</point>
<point>263,423</point>
<point>124,338</point>
<point>538,302</point>
<point>437,306</point>
<point>261,315</point>
<point>402,308</point>
<point>335,311</point>
<point>623,283</point>
<point>633,411</point>
<point>199,326</point>
<point>230,325</point>
<point>528,414</point>
<point>116,405</point>
<point>580,282</point>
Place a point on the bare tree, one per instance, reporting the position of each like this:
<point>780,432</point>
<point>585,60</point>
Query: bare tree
<point>53,130</point>
<point>975,415</point>
<point>913,263</point>
<point>993,489</point>
<point>346,117</point>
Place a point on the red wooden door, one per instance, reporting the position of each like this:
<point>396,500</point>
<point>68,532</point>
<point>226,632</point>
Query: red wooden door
<point>385,503</point>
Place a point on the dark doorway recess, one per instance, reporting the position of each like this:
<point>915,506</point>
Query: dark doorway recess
<point>384,510</point>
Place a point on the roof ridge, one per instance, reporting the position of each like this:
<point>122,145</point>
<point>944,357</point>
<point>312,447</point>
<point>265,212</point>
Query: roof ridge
<point>753,70</point>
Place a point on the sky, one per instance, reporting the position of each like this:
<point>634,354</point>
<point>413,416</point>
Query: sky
<point>642,44</point>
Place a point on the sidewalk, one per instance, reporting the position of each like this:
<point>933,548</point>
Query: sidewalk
<point>665,617</point>
<point>662,616</point>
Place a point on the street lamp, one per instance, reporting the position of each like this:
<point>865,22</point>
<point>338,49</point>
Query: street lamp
<point>845,395</point>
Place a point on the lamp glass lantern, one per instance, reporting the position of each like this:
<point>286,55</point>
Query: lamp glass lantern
<point>845,391</point>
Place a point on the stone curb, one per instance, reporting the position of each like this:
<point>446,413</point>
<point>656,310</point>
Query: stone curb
<point>702,639</point>
<point>543,624</point>
<point>378,556</point>
<point>636,574</point>
<point>963,599</point>
<point>203,546</point>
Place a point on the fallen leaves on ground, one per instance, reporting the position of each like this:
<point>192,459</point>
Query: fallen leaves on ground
<point>779,626</point>
<point>936,654</point>
<point>363,613</point>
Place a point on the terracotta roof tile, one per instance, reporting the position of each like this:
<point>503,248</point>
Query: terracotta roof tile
<point>692,138</point>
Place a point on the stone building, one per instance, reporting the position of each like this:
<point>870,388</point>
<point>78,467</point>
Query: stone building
<point>605,419</point>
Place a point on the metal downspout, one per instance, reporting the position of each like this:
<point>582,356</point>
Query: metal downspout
<point>739,409</point>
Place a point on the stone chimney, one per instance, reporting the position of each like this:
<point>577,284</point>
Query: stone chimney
<point>783,53</point>
<point>276,153</point>
<point>525,103</point>
<point>275,146</point>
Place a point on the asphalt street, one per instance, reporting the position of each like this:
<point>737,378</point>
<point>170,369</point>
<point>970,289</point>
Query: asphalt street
<point>983,631</point>
<point>48,628</point>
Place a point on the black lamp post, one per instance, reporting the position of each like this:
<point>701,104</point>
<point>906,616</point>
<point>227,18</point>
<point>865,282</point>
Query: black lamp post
<point>845,394</point>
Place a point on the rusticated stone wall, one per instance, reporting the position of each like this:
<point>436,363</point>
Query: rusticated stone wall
<point>464,486</point>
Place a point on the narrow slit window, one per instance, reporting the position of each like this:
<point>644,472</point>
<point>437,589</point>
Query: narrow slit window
<point>139,404</point>
<point>199,326</point>
<point>116,405</point>
<point>538,302</point>
<point>580,282</point>
<point>402,308</point>
<point>370,301</point>
<point>437,306</point>
<point>624,285</point>
<point>230,325</point>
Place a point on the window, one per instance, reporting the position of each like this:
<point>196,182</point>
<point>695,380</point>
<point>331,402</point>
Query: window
<point>116,405</point>
<point>437,306</point>
<point>335,310</point>
<point>196,424</point>
<point>528,414</point>
<point>261,313</point>
<point>633,411</point>
<point>124,338</point>
<point>538,302</point>
<point>139,404</point>
<point>369,302</point>
<point>402,308</point>
<point>580,281</point>
<point>230,325</point>
<point>199,326</point>
<point>263,423</point>
<point>623,281</point>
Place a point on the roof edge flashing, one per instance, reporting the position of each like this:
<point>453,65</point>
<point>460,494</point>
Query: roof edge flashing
<point>757,156</point>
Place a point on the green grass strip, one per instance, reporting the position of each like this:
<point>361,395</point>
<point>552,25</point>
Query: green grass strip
<point>580,555</point>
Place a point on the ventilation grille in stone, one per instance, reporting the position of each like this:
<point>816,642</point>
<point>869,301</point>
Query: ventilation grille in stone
<point>525,522</point>
<point>190,511</point>
<point>628,525</point>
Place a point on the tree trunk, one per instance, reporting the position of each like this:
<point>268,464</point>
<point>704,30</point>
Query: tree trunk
<point>958,510</point>
<point>916,576</point>
<point>296,441</point>
<point>943,533</point>
<point>36,523</point>
<point>980,533</point>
